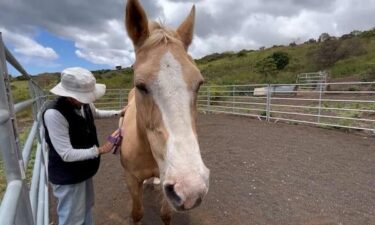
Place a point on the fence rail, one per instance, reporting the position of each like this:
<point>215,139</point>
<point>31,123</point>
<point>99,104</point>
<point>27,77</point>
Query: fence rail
<point>113,99</point>
<point>341,105</point>
<point>23,203</point>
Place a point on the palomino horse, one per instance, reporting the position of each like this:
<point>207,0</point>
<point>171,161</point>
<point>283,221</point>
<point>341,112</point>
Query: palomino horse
<point>160,122</point>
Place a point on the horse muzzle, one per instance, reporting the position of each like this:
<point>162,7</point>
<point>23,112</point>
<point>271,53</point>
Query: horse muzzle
<point>187,193</point>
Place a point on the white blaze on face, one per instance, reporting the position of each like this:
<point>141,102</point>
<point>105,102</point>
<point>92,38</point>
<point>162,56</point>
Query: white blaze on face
<point>173,98</point>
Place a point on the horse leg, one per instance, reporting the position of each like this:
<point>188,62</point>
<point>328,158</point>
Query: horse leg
<point>136,192</point>
<point>166,212</point>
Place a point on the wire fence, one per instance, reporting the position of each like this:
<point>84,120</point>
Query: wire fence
<point>26,196</point>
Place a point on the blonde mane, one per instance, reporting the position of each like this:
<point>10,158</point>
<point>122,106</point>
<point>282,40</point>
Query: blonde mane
<point>160,34</point>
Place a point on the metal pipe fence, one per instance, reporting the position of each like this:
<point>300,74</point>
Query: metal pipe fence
<point>113,99</point>
<point>22,202</point>
<point>348,105</point>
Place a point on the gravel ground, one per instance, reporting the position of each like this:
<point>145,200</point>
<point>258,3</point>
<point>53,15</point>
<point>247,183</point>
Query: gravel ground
<point>261,173</point>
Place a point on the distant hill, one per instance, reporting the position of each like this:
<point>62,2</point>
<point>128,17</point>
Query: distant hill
<point>352,55</point>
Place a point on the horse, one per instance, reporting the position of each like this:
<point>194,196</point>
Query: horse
<point>160,121</point>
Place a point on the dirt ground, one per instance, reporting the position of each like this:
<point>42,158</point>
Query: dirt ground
<point>261,173</point>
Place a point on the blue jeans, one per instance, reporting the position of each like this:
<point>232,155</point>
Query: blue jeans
<point>75,203</point>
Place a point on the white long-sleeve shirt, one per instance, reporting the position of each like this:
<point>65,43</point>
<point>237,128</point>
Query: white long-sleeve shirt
<point>58,130</point>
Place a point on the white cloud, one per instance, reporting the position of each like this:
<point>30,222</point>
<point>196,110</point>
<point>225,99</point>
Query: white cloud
<point>111,47</point>
<point>214,43</point>
<point>27,47</point>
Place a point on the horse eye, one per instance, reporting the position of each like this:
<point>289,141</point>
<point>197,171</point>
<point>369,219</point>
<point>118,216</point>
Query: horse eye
<point>142,87</point>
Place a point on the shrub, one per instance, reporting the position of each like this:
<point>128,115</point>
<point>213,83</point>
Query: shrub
<point>353,89</point>
<point>242,53</point>
<point>350,47</point>
<point>325,56</point>
<point>267,67</point>
<point>281,59</point>
<point>369,75</point>
<point>331,51</point>
<point>215,56</point>
<point>324,37</point>
<point>369,33</point>
<point>311,41</point>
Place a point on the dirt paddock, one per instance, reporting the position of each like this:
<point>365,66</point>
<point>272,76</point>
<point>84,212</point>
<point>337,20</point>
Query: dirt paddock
<point>261,173</point>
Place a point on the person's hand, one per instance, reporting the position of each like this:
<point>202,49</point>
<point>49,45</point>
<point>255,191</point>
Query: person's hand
<point>107,147</point>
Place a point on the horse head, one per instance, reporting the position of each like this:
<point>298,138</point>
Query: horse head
<point>167,81</point>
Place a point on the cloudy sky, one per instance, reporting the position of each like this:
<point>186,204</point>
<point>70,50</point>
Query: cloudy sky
<point>49,35</point>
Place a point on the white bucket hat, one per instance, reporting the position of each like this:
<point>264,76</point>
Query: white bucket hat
<point>80,84</point>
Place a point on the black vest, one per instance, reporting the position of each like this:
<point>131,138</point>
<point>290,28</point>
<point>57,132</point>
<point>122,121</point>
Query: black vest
<point>82,133</point>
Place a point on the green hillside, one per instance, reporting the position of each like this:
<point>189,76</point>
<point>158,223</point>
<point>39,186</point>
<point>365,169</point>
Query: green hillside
<point>352,55</point>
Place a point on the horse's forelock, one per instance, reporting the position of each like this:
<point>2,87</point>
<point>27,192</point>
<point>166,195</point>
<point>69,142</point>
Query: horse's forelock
<point>160,34</point>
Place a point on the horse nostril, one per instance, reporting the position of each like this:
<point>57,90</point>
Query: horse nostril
<point>171,194</point>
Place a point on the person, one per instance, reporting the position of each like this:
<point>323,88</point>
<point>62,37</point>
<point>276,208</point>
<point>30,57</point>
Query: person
<point>74,152</point>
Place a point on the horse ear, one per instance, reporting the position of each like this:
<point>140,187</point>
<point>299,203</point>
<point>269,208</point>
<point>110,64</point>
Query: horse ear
<point>136,23</point>
<point>186,29</point>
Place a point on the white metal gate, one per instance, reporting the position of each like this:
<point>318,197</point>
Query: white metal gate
<point>22,204</point>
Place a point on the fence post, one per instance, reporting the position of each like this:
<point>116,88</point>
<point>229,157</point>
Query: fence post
<point>208,98</point>
<point>320,101</point>
<point>32,93</point>
<point>121,99</point>
<point>9,146</point>
<point>233,99</point>
<point>268,105</point>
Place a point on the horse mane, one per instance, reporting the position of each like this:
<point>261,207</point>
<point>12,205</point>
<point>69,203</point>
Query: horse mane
<point>160,34</point>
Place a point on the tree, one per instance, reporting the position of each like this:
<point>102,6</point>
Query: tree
<point>310,41</point>
<point>242,53</point>
<point>267,67</point>
<point>356,33</point>
<point>281,59</point>
<point>324,37</point>
<point>326,55</point>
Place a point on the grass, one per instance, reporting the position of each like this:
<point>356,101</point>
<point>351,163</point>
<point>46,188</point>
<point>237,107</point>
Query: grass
<point>22,137</point>
<point>20,90</point>
<point>2,179</point>
<point>115,78</point>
